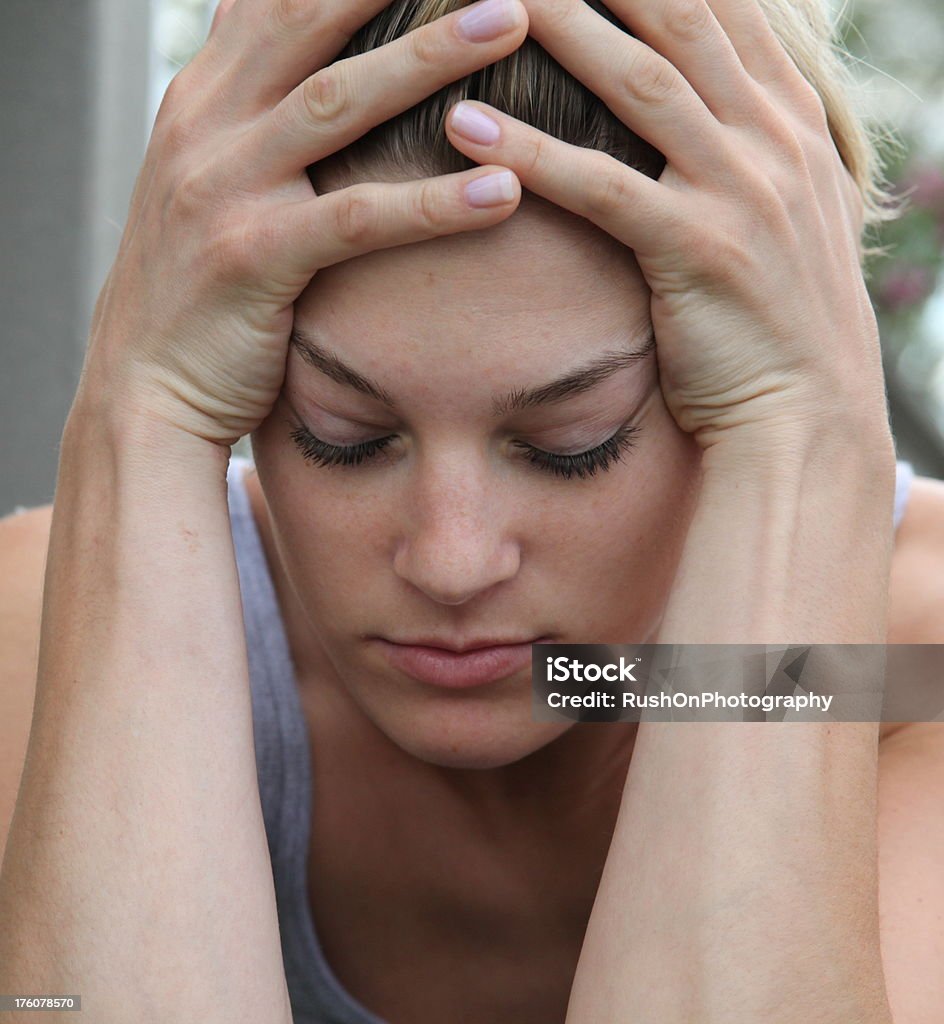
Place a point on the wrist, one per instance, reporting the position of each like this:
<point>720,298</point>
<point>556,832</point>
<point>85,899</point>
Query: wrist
<point>835,452</point>
<point>102,421</point>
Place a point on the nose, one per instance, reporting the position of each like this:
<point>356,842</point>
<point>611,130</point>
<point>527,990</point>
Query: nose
<point>455,545</point>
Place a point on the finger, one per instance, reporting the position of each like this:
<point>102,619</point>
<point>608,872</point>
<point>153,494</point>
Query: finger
<point>756,44</point>
<point>266,47</point>
<point>641,87</point>
<point>641,213</point>
<point>757,39</point>
<point>342,102</point>
<point>685,32</point>
<point>292,39</point>
<point>303,237</point>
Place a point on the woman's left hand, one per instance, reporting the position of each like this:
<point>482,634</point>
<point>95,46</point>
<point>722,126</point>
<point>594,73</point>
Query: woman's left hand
<point>750,238</point>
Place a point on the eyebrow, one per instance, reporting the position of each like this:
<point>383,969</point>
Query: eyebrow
<point>575,382</point>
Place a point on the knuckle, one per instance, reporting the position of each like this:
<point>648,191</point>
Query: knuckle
<point>729,253</point>
<point>177,95</point>
<point>607,189</point>
<point>795,163</point>
<point>690,20</point>
<point>430,209</point>
<point>560,15</point>
<point>291,15</point>
<point>355,217</point>
<point>178,135</point>
<point>777,205</point>
<point>537,156</point>
<point>767,203</point>
<point>811,108</point>
<point>233,253</point>
<point>650,80</point>
<point>426,46</point>
<point>190,198</point>
<point>325,97</point>
<point>788,149</point>
<point>761,196</point>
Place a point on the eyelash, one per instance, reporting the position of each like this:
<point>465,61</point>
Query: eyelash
<point>582,464</point>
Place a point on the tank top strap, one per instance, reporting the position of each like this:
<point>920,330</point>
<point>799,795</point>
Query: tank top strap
<point>278,733</point>
<point>904,475</point>
<point>283,765</point>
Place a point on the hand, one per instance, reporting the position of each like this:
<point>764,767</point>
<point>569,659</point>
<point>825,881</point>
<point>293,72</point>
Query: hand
<point>749,240</point>
<point>225,231</point>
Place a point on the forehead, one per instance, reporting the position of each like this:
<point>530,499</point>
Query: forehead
<point>543,285</point>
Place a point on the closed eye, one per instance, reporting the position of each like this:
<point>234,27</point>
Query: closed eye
<point>580,464</point>
<point>584,464</point>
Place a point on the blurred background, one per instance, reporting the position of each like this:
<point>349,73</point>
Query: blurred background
<point>80,84</point>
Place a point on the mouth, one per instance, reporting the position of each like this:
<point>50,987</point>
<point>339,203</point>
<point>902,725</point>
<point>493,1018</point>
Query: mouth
<point>455,664</point>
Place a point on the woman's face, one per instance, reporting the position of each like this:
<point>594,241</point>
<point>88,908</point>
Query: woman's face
<point>459,527</point>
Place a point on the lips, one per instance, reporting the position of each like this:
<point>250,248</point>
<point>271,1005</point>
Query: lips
<point>461,646</point>
<point>474,665</point>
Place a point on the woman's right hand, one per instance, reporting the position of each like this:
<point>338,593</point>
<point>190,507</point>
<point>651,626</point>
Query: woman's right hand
<point>225,231</point>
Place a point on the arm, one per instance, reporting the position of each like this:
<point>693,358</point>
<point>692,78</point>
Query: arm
<point>138,836</point>
<point>741,883</point>
<point>137,873</point>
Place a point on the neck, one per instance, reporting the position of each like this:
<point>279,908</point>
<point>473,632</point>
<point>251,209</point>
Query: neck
<point>473,865</point>
<point>566,786</point>
<point>468,855</point>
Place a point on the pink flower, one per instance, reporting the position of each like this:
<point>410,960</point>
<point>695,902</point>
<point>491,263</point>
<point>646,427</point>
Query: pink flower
<point>904,285</point>
<point>924,185</point>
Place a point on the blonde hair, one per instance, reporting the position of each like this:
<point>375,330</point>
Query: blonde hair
<point>532,87</point>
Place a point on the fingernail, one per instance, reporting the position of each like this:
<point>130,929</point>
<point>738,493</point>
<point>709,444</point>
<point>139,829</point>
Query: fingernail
<point>488,19</point>
<point>472,124</point>
<point>491,190</point>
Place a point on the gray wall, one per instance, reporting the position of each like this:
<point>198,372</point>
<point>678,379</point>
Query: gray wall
<point>73,125</point>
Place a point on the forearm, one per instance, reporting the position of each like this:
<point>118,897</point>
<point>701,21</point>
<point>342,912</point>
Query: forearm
<point>791,541</point>
<point>137,872</point>
<point>741,883</point>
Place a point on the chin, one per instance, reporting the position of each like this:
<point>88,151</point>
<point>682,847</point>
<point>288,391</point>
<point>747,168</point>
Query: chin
<point>468,734</point>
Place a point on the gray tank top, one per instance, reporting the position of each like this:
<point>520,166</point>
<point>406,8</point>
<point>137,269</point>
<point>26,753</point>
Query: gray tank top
<point>283,761</point>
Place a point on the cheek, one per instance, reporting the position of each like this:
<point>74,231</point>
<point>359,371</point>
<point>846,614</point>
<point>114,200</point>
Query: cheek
<point>610,560</point>
<point>330,533</point>
<point>325,555</point>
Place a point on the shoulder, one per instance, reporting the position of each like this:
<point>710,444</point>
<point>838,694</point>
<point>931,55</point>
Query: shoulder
<point>911,778</point>
<point>20,530</point>
<point>24,539</point>
<point>911,870</point>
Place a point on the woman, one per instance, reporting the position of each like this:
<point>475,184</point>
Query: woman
<point>638,409</point>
